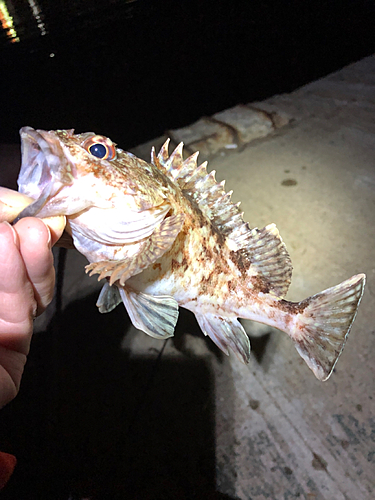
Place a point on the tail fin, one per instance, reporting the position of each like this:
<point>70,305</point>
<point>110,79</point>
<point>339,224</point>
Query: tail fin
<point>325,324</point>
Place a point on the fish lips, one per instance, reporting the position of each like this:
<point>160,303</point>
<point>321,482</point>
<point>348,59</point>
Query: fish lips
<point>43,170</point>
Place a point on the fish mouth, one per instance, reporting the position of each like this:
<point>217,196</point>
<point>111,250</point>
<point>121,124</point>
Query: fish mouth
<point>42,169</point>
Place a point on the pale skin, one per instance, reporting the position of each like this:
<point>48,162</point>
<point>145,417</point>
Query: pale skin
<point>27,279</point>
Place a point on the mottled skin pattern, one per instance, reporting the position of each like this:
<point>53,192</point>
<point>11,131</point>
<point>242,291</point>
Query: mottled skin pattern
<point>199,270</point>
<point>126,173</point>
<point>203,274</point>
<point>165,234</point>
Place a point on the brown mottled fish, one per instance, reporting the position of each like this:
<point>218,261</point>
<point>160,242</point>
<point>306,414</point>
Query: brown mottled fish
<point>165,234</point>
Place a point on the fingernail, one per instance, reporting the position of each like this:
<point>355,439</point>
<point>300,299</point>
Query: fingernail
<point>15,237</point>
<point>49,241</point>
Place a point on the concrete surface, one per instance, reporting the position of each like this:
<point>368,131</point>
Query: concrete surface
<point>108,412</point>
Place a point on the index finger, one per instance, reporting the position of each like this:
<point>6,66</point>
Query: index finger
<point>35,248</point>
<point>12,203</point>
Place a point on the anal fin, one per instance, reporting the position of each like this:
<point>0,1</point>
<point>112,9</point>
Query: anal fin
<point>155,315</point>
<point>227,333</point>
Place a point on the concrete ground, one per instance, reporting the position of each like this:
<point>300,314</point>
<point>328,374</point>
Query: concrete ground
<point>107,412</point>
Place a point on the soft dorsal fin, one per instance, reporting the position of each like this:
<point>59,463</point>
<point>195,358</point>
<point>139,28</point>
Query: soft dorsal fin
<point>268,256</point>
<point>262,250</point>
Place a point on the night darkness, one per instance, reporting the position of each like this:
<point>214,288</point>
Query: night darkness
<point>131,70</point>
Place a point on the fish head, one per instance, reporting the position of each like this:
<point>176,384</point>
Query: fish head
<point>67,173</point>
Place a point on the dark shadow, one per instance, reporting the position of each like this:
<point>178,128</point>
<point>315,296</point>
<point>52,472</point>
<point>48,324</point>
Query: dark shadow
<point>259,346</point>
<point>188,324</point>
<point>10,162</point>
<point>91,422</point>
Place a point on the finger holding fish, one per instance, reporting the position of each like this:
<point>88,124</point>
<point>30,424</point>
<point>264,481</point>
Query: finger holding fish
<point>11,205</point>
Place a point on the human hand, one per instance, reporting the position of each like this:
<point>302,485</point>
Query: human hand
<point>27,280</point>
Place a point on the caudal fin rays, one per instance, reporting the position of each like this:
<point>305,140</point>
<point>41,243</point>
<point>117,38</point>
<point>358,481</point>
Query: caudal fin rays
<point>323,327</point>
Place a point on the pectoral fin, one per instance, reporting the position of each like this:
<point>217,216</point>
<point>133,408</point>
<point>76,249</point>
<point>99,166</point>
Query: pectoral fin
<point>153,248</point>
<point>156,316</point>
<point>227,333</point>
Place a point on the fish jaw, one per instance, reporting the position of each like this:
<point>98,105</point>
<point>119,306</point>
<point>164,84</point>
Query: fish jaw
<point>44,170</point>
<point>50,175</point>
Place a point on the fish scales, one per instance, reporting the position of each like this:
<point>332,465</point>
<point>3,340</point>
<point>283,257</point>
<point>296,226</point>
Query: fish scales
<point>165,235</point>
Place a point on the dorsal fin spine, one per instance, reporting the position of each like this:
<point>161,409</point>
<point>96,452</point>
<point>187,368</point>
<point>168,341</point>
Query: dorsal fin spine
<point>175,161</point>
<point>153,156</point>
<point>163,153</point>
<point>188,166</point>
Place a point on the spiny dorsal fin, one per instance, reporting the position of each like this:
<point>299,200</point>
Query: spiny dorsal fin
<point>194,180</point>
<point>263,249</point>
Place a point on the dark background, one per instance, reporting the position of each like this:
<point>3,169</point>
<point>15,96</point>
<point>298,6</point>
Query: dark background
<point>132,69</point>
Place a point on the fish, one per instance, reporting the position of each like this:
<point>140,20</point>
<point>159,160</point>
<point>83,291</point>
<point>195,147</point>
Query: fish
<point>165,234</point>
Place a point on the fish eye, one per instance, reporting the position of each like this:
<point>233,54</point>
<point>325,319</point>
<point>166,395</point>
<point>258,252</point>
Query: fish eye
<point>100,147</point>
<point>98,150</point>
